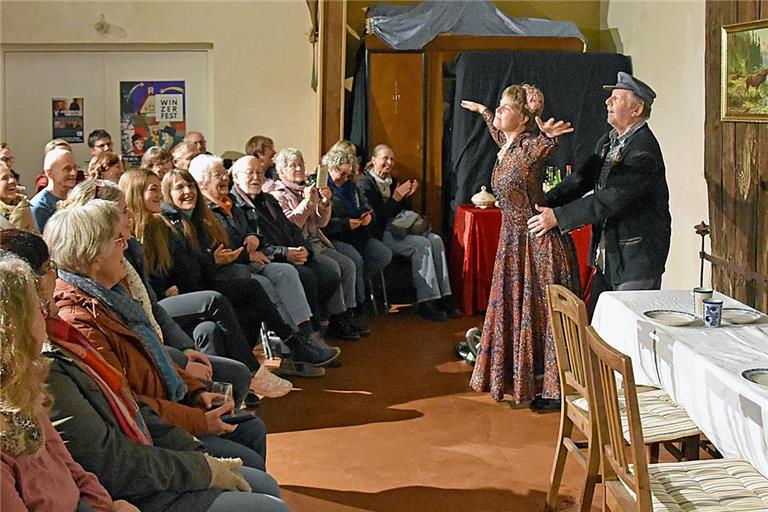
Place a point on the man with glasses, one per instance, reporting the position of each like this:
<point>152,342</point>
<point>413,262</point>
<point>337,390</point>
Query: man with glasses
<point>6,157</point>
<point>61,170</point>
<point>198,139</point>
<point>183,154</point>
<point>99,141</point>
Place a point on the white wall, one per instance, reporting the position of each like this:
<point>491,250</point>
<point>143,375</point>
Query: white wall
<point>261,62</point>
<point>666,42</point>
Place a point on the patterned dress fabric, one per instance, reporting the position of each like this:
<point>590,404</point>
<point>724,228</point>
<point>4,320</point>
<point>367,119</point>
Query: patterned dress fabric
<point>516,347</point>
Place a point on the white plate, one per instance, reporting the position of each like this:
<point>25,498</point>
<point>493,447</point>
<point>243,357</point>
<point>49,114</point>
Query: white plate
<point>756,375</point>
<point>741,315</point>
<point>671,317</point>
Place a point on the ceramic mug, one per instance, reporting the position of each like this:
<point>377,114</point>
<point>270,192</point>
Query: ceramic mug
<point>713,312</point>
<point>699,295</point>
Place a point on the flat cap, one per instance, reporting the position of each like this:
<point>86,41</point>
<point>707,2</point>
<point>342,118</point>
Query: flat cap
<point>630,83</point>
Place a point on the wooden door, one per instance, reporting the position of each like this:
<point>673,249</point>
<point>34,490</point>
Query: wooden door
<point>396,113</point>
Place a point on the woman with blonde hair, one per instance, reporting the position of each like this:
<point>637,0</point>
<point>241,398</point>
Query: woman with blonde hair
<point>517,352</point>
<point>38,473</point>
<point>106,166</point>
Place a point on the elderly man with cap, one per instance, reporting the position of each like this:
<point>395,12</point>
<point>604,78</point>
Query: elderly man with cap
<point>629,206</point>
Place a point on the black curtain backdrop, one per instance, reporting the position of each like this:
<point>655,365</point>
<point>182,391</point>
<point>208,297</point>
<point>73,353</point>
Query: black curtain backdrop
<point>572,85</point>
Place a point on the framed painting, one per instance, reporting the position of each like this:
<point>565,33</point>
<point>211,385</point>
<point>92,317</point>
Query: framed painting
<point>744,68</point>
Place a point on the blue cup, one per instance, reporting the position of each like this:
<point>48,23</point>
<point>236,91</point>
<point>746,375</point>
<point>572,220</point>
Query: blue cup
<point>713,312</point>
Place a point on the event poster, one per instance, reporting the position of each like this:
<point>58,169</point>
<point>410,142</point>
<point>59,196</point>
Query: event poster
<point>67,119</point>
<point>151,114</point>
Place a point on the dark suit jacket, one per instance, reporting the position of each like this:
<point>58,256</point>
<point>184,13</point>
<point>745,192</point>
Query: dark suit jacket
<point>383,210</point>
<point>271,225</point>
<point>630,205</point>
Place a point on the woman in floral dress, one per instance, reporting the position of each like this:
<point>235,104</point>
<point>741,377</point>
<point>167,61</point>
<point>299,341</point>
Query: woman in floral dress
<point>517,354</point>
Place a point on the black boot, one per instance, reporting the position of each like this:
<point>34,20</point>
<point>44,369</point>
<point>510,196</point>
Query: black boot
<point>304,351</point>
<point>430,310</point>
<point>340,328</point>
<point>449,306</point>
<point>357,322</point>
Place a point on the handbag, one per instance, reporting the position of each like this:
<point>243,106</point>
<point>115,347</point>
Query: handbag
<point>408,222</point>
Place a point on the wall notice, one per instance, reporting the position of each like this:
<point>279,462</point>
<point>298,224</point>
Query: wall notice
<point>67,119</point>
<point>151,114</point>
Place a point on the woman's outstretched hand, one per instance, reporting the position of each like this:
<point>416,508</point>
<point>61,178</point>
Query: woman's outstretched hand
<point>472,106</point>
<point>553,128</point>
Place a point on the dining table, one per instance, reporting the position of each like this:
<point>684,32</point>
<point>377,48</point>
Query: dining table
<point>709,371</point>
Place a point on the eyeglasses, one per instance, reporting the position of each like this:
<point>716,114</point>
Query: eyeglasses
<point>220,175</point>
<point>8,159</point>
<point>45,307</point>
<point>122,241</point>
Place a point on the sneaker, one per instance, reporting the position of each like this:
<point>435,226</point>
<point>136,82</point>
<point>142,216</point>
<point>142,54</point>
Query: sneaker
<point>357,323</point>
<point>265,383</point>
<point>340,329</point>
<point>430,311</point>
<point>251,401</point>
<point>304,350</point>
<point>290,368</point>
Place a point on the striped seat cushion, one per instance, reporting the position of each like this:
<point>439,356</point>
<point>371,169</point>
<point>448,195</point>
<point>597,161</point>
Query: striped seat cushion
<point>662,419</point>
<point>710,485</point>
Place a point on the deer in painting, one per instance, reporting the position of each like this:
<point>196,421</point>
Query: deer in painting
<point>755,79</point>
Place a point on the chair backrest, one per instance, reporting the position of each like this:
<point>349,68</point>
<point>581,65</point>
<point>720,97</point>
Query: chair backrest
<point>568,315</point>
<point>604,363</point>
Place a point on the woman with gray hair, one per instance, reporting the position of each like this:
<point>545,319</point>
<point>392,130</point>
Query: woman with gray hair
<point>309,207</point>
<point>208,308</point>
<point>350,216</point>
<point>87,243</point>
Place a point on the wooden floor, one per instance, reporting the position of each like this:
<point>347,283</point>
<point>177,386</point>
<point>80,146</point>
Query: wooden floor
<point>396,428</point>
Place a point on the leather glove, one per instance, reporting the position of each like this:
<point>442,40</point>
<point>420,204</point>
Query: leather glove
<point>225,474</point>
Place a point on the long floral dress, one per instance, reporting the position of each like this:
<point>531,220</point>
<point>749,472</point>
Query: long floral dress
<point>516,347</point>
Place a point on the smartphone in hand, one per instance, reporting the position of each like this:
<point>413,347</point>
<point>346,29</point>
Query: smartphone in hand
<point>237,418</point>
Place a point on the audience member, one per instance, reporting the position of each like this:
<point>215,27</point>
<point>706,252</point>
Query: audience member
<point>284,242</point>
<point>38,473</point>
<point>198,139</point>
<point>61,170</point>
<point>309,207</point>
<point>157,160</point>
<point>183,154</point>
<point>99,141</point>
<point>106,166</point>
<point>87,243</point>
<point>203,307</point>
<point>15,210</point>
<point>429,266</point>
<point>263,148</point>
<point>350,217</point>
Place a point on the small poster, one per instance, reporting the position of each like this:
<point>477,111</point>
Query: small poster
<point>151,114</point>
<point>67,119</point>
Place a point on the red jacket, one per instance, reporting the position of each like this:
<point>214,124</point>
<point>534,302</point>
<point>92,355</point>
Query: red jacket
<point>123,350</point>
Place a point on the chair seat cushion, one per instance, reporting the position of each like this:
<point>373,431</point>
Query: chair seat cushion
<point>662,419</point>
<point>710,485</point>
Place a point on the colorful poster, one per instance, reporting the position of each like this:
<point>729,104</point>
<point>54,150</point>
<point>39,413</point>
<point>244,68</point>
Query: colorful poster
<point>67,119</point>
<point>151,114</point>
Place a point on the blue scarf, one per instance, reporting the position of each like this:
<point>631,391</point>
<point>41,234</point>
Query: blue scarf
<point>348,193</point>
<point>133,315</point>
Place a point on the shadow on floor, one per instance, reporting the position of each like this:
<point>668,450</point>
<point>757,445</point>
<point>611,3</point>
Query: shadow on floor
<point>420,499</point>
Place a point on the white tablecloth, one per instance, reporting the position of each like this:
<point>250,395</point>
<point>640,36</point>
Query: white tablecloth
<point>700,367</point>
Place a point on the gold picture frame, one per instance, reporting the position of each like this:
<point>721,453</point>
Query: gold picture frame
<point>744,68</point>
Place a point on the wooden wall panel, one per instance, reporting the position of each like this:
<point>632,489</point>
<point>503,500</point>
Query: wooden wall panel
<point>736,170</point>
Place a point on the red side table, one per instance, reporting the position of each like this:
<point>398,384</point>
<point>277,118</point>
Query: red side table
<point>475,240</point>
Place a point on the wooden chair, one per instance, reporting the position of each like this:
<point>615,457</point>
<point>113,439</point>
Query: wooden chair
<point>631,484</point>
<point>663,421</point>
